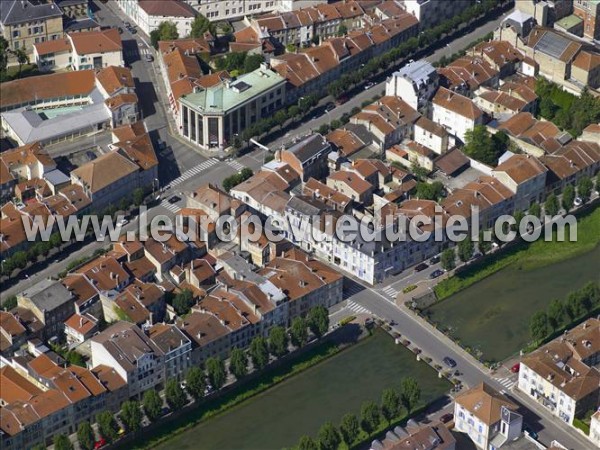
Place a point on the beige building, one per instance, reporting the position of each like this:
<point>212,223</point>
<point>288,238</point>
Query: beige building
<point>562,375</point>
<point>81,51</point>
<point>24,23</point>
<point>525,176</point>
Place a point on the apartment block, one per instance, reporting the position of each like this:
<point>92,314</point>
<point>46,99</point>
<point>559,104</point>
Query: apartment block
<point>589,12</point>
<point>563,375</point>
<point>455,112</point>
<point>415,83</point>
<point>81,51</point>
<point>24,23</point>
<point>133,355</point>
<point>433,12</point>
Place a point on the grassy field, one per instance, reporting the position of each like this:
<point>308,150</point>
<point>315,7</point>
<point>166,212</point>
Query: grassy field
<point>527,256</point>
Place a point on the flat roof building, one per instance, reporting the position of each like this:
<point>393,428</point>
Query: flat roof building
<point>210,117</point>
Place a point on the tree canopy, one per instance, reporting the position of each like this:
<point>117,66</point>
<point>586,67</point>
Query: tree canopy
<point>166,31</point>
<point>567,111</point>
<point>485,147</point>
<point>201,25</point>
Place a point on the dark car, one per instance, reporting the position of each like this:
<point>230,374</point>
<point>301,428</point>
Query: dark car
<point>174,199</point>
<point>127,24</point>
<point>436,273</point>
<point>120,30</point>
<point>148,57</point>
<point>434,260</point>
<point>447,418</point>
<point>91,155</point>
<point>449,362</point>
<point>132,30</point>
<point>421,267</point>
<point>330,106</point>
<point>532,434</point>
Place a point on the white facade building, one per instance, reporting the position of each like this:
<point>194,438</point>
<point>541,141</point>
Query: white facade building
<point>562,375</point>
<point>487,417</point>
<point>148,15</point>
<point>215,10</point>
<point>455,112</point>
<point>414,83</point>
<point>126,349</point>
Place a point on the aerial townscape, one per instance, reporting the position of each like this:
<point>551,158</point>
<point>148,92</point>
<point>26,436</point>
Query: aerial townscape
<point>201,228</point>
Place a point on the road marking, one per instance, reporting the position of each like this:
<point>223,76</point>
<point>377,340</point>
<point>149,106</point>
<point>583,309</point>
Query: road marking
<point>355,307</point>
<point>390,291</point>
<point>508,383</point>
<point>235,165</point>
<point>171,207</point>
<point>193,171</point>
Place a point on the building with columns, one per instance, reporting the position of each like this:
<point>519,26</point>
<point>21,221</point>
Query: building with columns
<point>210,117</point>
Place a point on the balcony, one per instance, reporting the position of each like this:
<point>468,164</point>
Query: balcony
<point>548,402</point>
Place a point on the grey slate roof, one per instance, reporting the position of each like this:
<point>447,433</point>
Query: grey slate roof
<point>309,147</point>
<point>19,11</point>
<point>48,295</point>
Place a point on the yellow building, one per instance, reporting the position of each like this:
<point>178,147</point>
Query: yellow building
<point>24,23</point>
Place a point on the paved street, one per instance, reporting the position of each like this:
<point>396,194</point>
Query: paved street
<point>379,88</point>
<point>434,344</point>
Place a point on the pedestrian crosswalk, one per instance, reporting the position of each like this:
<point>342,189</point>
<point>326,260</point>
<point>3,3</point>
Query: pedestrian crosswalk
<point>194,171</point>
<point>171,207</point>
<point>508,382</point>
<point>236,165</point>
<point>390,292</point>
<point>355,307</point>
<point>134,52</point>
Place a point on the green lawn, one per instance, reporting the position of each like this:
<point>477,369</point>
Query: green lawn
<point>527,256</point>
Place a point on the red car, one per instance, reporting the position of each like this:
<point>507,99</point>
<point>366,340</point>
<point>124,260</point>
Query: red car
<point>515,368</point>
<point>99,444</point>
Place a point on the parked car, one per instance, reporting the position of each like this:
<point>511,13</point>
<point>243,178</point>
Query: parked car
<point>578,201</point>
<point>148,57</point>
<point>369,85</point>
<point>99,443</point>
<point>174,199</point>
<point>127,24</point>
<point>396,271</point>
<point>341,100</point>
<point>532,434</point>
<point>120,30</point>
<point>132,30</point>
<point>435,260</point>
<point>449,362</point>
<point>330,106</point>
<point>421,267</point>
<point>436,273</point>
<point>447,418</point>
<point>515,368</point>
<point>123,222</point>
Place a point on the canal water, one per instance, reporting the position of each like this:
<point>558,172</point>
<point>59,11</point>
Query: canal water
<point>300,405</point>
<point>493,315</point>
